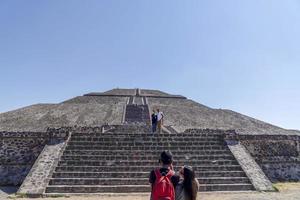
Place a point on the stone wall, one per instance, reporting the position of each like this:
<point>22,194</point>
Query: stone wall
<point>100,129</point>
<point>277,155</point>
<point>18,152</point>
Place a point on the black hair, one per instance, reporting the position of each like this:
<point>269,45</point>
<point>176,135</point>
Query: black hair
<point>189,183</point>
<point>166,157</point>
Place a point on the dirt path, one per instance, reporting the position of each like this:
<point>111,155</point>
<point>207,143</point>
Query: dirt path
<point>287,191</point>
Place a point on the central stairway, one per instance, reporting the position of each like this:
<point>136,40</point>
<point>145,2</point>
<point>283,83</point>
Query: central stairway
<point>137,111</point>
<point>137,114</point>
<point>120,160</point>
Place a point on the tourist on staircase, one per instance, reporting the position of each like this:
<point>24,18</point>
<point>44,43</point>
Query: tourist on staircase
<point>160,118</point>
<point>163,180</point>
<point>154,121</point>
<point>188,186</point>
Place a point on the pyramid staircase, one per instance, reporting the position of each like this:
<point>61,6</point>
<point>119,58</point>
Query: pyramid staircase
<point>137,111</point>
<point>120,160</point>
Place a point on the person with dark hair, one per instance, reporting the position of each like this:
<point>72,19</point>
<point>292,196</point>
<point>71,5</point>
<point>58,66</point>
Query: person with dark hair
<point>188,187</point>
<point>163,179</point>
<point>154,121</point>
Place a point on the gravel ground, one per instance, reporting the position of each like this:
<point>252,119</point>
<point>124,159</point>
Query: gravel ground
<point>287,191</point>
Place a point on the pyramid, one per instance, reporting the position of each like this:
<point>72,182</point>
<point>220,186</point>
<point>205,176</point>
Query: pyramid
<point>96,109</point>
<point>101,142</point>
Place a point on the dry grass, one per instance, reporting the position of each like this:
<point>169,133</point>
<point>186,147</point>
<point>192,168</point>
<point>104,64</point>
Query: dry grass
<point>287,186</point>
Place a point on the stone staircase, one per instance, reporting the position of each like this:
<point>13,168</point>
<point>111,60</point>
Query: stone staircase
<point>120,160</point>
<point>137,114</point>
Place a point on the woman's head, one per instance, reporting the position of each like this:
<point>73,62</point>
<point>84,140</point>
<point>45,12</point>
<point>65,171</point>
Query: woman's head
<point>190,185</point>
<point>187,173</point>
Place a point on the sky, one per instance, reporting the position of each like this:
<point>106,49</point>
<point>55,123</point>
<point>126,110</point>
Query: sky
<point>233,54</point>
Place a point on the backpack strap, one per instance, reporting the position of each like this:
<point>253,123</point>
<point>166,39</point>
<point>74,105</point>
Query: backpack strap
<point>158,174</point>
<point>170,174</point>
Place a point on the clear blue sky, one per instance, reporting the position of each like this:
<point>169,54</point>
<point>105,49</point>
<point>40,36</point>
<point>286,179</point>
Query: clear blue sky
<point>242,55</point>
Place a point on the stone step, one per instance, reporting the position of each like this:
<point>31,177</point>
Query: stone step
<point>223,180</point>
<point>226,187</point>
<point>145,157</point>
<point>137,116</point>
<point>145,134</point>
<point>138,188</point>
<point>138,181</point>
<point>97,189</point>
<point>142,168</point>
<point>147,139</point>
<point>137,113</point>
<point>137,119</point>
<point>141,129</point>
<point>160,148</point>
<point>146,152</point>
<point>145,162</point>
<point>138,143</point>
<point>130,174</point>
<point>134,113</point>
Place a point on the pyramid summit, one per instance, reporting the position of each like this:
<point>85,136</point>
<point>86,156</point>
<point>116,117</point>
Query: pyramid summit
<point>101,142</point>
<point>94,109</point>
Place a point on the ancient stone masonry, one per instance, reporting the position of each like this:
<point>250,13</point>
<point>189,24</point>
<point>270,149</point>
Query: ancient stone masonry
<point>137,114</point>
<point>277,155</point>
<point>37,179</point>
<point>101,142</point>
<point>137,111</point>
<point>18,152</point>
<point>186,113</point>
<point>120,159</point>
<point>250,167</point>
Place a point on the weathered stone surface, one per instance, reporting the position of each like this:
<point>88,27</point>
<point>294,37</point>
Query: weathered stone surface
<point>13,175</point>
<point>282,171</point>
<point>81,111</point>
<point>180,112</point>
<point>135,92</point>
<point>123,153</point>
<point>250,167</point>
<point>114,92</point>
<point>278,155</point>
<point>275,149</point>
<point>38,177</point>
<point>137,114</point>
<point>18,152</point>
<point>184,114</point>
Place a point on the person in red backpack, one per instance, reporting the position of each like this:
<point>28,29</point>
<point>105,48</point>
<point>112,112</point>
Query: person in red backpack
<point>163,179</point>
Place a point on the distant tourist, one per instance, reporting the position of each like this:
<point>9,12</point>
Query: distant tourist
<point>160,118</point>
<point>163,180</point>
<point>188,187</point>
<point>154,121</point>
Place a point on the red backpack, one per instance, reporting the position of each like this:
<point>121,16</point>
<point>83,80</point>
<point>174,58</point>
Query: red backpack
<point>163,188</point>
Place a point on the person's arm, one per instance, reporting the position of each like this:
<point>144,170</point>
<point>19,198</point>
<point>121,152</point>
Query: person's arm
<point>175,180</point>
<point>152,177</point>
<point>197,183</point>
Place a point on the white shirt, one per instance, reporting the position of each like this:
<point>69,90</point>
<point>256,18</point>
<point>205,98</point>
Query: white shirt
<point>160,115</point>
